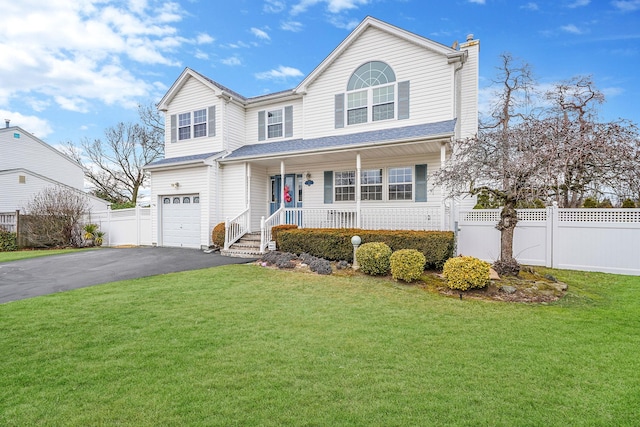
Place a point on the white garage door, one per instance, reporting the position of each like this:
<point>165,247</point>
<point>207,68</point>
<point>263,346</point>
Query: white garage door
<point>181,221</point>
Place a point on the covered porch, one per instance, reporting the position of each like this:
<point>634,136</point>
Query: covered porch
<point>379,185</point>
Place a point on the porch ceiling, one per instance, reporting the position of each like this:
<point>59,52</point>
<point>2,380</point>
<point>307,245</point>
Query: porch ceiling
<point>414,149</point>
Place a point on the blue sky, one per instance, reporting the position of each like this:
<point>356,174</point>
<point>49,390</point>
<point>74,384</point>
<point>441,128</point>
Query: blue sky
<point>69,69</point>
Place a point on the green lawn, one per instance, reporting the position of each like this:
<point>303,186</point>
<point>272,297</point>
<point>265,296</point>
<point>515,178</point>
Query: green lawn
<point>16,255</point>
<point>244,345</point>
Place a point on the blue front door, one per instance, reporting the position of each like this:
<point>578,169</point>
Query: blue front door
<point>293,192</point>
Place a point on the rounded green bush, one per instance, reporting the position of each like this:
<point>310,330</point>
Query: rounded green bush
<point>466,272</point>
<point>373,258</point>
<point>407,264</point>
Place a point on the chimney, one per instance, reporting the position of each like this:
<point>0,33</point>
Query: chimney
<point>6,122</point>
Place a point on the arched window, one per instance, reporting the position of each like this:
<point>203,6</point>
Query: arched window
<point>371,93</point>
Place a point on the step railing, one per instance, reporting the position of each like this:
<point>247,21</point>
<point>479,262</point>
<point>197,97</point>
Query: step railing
<point>235,228</point>
<point>265,228</point>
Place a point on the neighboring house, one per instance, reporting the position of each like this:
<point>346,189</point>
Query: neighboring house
<point>352,145</point>
<point>28,165</point>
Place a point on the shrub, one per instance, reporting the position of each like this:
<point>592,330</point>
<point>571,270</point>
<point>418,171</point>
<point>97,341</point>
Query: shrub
<point>8,241</point>
<point>507,268</point>
<point>373,258</point>
<point>407,264</point>
<point>606,203</point>
<point>217,235</point>
<point>277,229</point>
<point>335,243</point>
<point>590,202</point>
<point>628,203</point>
<point>466,272</point>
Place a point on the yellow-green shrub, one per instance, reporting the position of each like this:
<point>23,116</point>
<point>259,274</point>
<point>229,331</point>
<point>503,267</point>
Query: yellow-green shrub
<point>276,229</point>
<point>373,258</point>
<point>217,235</point>
<point>407,264</point>
<point>466,272</point>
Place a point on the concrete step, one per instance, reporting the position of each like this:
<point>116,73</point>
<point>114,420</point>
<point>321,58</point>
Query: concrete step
<point>241,253</point>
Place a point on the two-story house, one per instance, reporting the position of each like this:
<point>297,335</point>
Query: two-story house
<point>29,165</point>
<point>353,145</point>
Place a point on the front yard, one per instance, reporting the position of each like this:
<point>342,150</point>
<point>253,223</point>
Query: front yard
<point>245,345</point>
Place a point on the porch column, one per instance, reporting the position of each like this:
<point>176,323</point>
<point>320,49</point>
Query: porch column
<point>443,208</point>
<point>248,179</point>
<point>282,207</point>
<point>358,167</point>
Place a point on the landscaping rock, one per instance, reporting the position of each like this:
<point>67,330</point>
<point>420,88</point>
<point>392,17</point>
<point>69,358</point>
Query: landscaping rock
<point>508,289</point>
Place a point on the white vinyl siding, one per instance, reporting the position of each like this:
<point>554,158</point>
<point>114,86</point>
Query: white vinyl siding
<point>430,75</point>
<point>194,99</point>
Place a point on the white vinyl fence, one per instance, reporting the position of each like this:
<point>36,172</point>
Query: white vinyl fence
<point>606,240</point>
<point>124,226</point>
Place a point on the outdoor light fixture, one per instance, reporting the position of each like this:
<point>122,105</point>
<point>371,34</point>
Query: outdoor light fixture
<point>355,241</point>
<point>175,185</point>
<point>308,181</point>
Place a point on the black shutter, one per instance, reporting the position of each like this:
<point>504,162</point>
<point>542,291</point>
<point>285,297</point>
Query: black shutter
<point>328,186</point>
<point>174,128</point>
<point>288,121</point>
<point>261,126</point>
<point>403,100</point>
<point>421,183</point>
<point>212,121</point>
<point>339,110</point>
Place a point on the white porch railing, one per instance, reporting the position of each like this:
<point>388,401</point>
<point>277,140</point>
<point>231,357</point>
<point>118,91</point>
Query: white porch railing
<point>265,228</point>
<point>380,218</point>
<point>235,228</point>
<point>9,221</point>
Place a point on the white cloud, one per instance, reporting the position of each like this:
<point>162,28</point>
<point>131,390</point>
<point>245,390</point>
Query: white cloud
<point>579,3</point>
<point>32,124</point>
<point>71,54</point>
<point>530,6</point>
<point>346,24</point>
<point>570,28</point>
<point>232,61</point>
<point>612,91</point>
<point>281,73</point>
<point>201,55</point>
<point>292,26</point>
<point>261,34</point>
<point>333,6</point>
<point>274,6</point>
<point>477,1</point>
<point>627,5</point>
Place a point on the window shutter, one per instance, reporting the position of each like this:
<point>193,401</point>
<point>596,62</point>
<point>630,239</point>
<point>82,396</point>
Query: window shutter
<point>328,186</point>
<point>174,128</point>
<point>339,110</point>
<point>261,126</point>
<point>403,100</point>
<point>212,121</point>
<point>421,183</point>
<point>288,121</point>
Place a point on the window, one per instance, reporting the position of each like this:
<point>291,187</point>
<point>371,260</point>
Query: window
<point>176,200</point>
<point>274,124</point>
<point>345,186</point>
<point>400,183</point>
<point>196,199</point>
<point>184,126</point>
<point>166,200</point>
<point>186,200</point>
<point>199,123</point>
<point>377,100</point>
<point>371,184</point>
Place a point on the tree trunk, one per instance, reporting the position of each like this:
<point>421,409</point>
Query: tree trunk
<point>506,225</point>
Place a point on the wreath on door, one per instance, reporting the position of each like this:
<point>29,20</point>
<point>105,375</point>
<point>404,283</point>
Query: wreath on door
<point>287,196</point>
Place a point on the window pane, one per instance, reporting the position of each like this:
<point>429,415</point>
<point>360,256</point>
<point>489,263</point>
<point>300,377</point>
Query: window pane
<point>186,200</point>
<point>400,183</point>
<point>371,184</point>
<point>166,200</point>
<point>383,95</point>
<point>184,119</point>
<point>196,199</point>
<point>176,200</point>
<point>275,116</point>
<point>200,116</point>
<point>345,186</point>
<point>199,130</point>
<point>357,116</point>
<point>383,112</point>
<point>275,131</point>
<point>357,99</point>
<point>184,133</point>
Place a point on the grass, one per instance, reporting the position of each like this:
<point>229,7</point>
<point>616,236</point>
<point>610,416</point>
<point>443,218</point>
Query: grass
<point>24,254</point>
<point>244,345</point>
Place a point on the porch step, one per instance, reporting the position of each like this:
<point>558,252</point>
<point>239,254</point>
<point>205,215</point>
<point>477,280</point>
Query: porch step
<point>247,247</point>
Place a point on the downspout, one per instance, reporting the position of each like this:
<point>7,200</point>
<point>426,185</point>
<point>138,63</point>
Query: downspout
<point>358,168</point>
<point>248,186</point>
<point>282,193</point>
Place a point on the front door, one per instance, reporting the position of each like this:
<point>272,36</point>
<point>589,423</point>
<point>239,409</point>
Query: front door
<point>292,195</point>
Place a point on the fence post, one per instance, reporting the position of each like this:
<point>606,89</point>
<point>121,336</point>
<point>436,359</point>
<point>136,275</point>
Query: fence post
<point>226,233</point>
<point>548,228</point>
<point>138,222</point>
<point>554,236</point>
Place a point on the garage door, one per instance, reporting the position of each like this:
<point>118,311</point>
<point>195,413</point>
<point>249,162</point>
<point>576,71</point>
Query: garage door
<point>181,221</point>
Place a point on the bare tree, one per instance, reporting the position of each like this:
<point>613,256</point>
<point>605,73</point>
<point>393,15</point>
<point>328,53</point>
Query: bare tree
<point>55,215</point>
<point>114,165</point>
<point>524,154</point>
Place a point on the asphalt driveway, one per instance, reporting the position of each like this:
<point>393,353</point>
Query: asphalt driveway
<point>45,275</point>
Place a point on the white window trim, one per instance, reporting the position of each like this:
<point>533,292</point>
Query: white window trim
<point>370,104</point>
<point>267,124</point>
<point>192,124</point>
